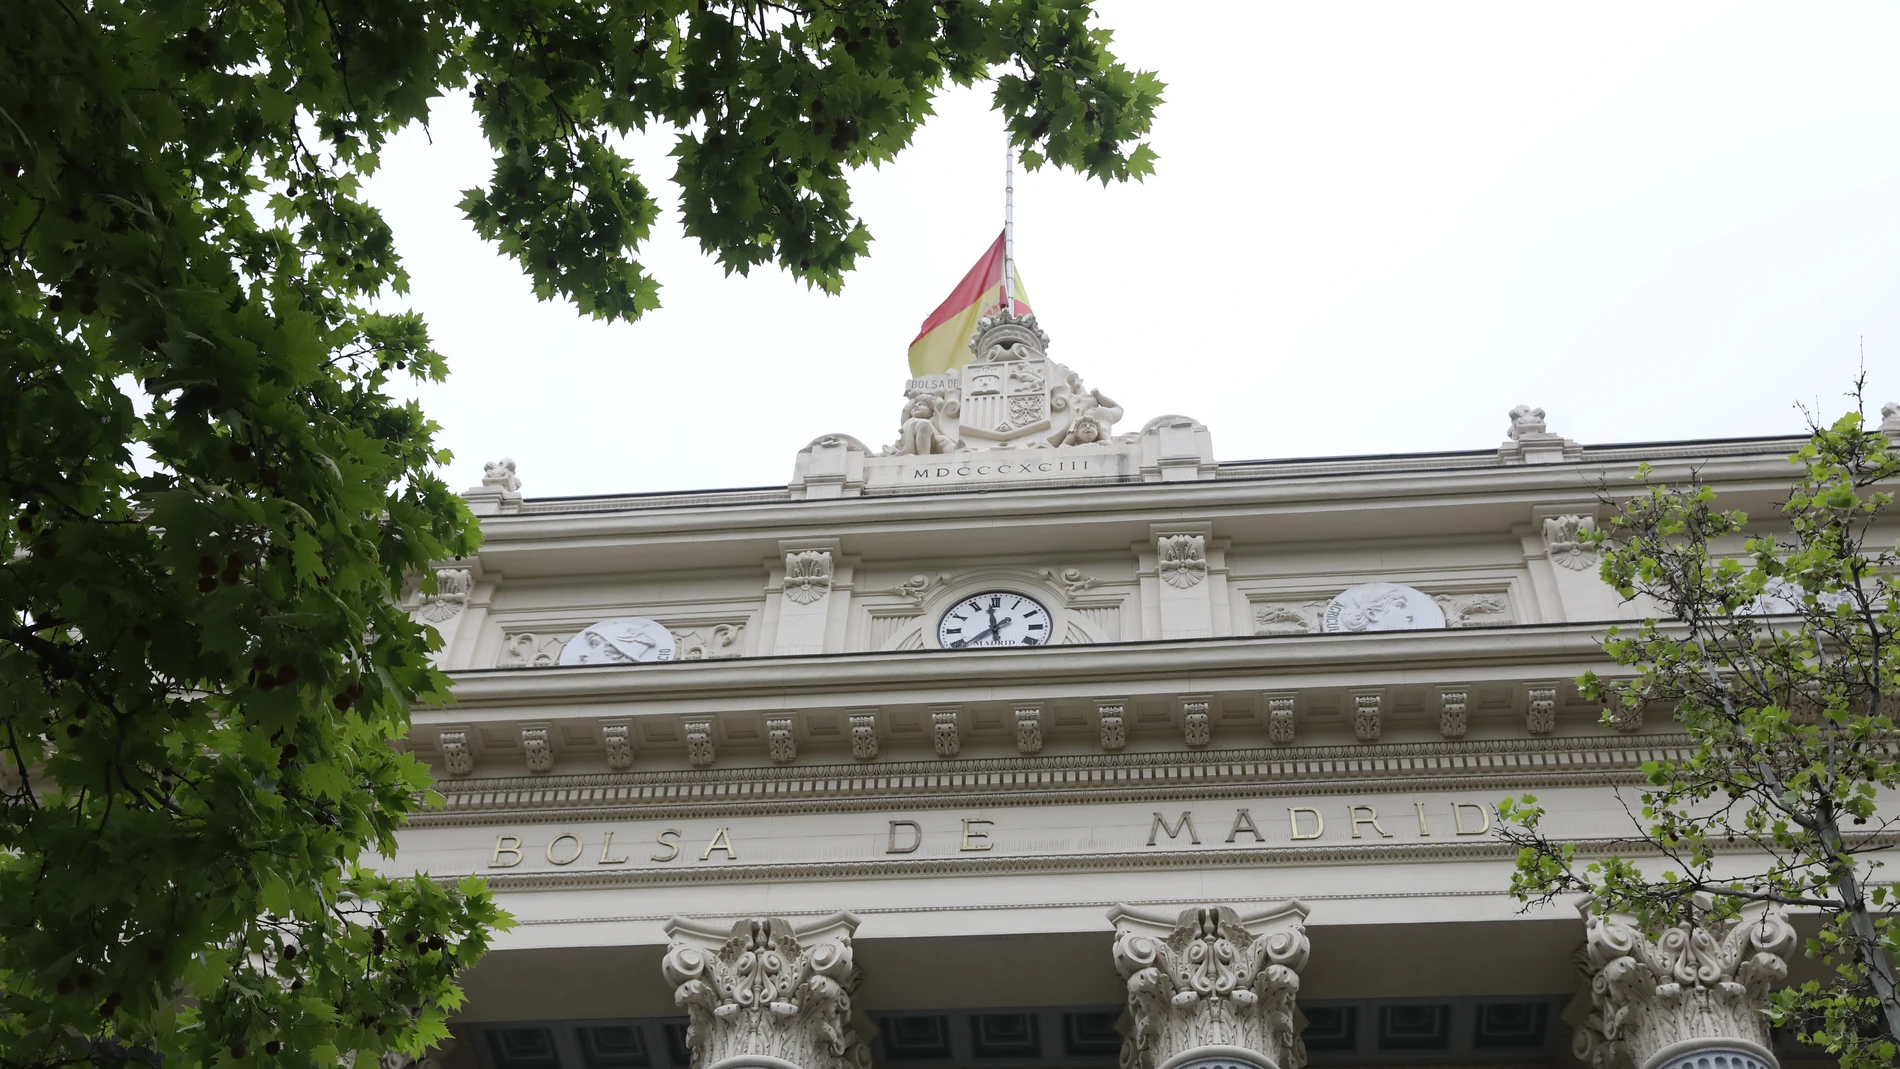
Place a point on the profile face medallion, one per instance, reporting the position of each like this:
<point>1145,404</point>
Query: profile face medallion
<point>995,618</point>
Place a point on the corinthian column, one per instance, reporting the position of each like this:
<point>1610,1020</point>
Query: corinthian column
<point>1211,988</point>
<point>763,994</point>
<point>1690,999</point>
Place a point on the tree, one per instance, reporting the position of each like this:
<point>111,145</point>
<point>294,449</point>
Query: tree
<point>213,501</point>
<point>1782,663</point>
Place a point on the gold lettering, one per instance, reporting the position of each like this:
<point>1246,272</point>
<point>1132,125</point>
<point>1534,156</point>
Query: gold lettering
<point>608,846</point>
<point>506,844</point>
<point>1293,819</point>
<point>1420,806</point>
<point>672,844</point>
<point>1243,821</point>
<point>720,841</point>
<point>1186,820</point>
<point>1458,817</point>
<point>1353,811</point>
<point>972,837</point>
<point>916,838</point>
<point>571,858</point>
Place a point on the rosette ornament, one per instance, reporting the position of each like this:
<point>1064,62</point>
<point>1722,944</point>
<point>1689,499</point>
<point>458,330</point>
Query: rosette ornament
<point>1693,996</point>
<point>1211,987</point>
<point>766,994</point>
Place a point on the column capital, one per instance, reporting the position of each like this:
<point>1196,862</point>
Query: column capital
<point>1694,993</point>
<point>765,994</point>
<point>1211,985</point>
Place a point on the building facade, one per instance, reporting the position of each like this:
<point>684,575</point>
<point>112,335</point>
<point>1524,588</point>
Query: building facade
<point>1036,739</point>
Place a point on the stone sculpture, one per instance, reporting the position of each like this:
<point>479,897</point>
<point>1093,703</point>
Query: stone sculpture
<point>1382,607</point>
<point>1525,421</point>
<point>920,434</point>
<point>622,640</point>
<point>501,473</point>
<point>1009,396</point>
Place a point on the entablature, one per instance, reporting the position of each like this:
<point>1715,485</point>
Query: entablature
<point>940,707</point>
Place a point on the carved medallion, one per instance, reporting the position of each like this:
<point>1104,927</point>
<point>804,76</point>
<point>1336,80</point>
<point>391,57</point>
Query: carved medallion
<point>1382,607</point>
<point>622,640</point>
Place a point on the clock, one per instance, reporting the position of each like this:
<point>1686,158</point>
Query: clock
<point>995,618</point>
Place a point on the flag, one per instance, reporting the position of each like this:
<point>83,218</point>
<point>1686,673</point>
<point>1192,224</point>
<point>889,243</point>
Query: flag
<point>943,342</point>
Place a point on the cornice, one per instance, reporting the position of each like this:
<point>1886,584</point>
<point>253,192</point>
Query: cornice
<point>1491,765</point>
<point>1331,482</point>
<point>1268,661</point>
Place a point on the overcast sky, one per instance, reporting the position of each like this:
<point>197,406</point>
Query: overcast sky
<point>1374,228</point>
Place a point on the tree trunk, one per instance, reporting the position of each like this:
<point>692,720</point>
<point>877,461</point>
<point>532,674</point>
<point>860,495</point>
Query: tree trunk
<point>1873,953</point>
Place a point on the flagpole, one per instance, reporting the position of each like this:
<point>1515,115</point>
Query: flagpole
<point>1009,228</point>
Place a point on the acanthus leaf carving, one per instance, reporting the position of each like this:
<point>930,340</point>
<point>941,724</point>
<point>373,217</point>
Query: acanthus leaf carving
<point>1701,985</point>
<point>1073,581</point>
<point>768,991</point>
<point>1467,610</point>
<point>1183,560</point>
<point>863,735</point>
<point>456,755</point>
<point>452,587</point>
<point>807,575</point>
<point>1451,713</point>
<point>779,742</point>
<point>1541,709</point>
<point>1566,540</point>
<point>1029,729</point>
<point>1281,727</point>
<point>1365,717</point>
<point>944,736</point>
<point>710,643</point>
<point>535,747</point>
<point>916,587</point>
<point>1113,727</point>
<point>1196,725</point>
<point>617,738</point>
<point>699,743</point>
<point>1288,618</point>
<point>1211,978</point>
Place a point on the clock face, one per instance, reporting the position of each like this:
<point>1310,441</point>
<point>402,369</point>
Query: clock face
<point>995,618</point>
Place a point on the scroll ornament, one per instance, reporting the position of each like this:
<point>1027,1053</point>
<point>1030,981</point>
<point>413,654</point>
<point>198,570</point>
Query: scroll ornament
<point>1695,987</point>
<point>1215,980</point>
<point>761,994</point>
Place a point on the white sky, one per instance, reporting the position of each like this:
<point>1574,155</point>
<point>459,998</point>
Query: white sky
<point>1375,227</point>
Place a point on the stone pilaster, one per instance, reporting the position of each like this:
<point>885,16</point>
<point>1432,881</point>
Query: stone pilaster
<point>808,597</point>
<point>1211,987</point>
<point>1183,573</point>
<point>1691,998</point>
<point>763,994</point>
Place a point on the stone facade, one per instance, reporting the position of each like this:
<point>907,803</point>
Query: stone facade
<point>1020,666</point>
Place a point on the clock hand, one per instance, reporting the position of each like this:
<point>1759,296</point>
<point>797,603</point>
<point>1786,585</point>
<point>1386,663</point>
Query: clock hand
<point>991,630</point>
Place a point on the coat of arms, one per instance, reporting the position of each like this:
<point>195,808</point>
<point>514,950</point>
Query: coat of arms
<point>1006,388</point>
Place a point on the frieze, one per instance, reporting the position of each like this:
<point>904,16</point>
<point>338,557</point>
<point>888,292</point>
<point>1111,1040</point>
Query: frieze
<point>944,835</point>
<point>718,640</point>
<point>1306,614</point>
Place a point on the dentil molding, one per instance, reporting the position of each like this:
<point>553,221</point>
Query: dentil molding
<point>1506,764</point>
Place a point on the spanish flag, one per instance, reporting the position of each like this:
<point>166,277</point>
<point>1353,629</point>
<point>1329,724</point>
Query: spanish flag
<point>944,341</point>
